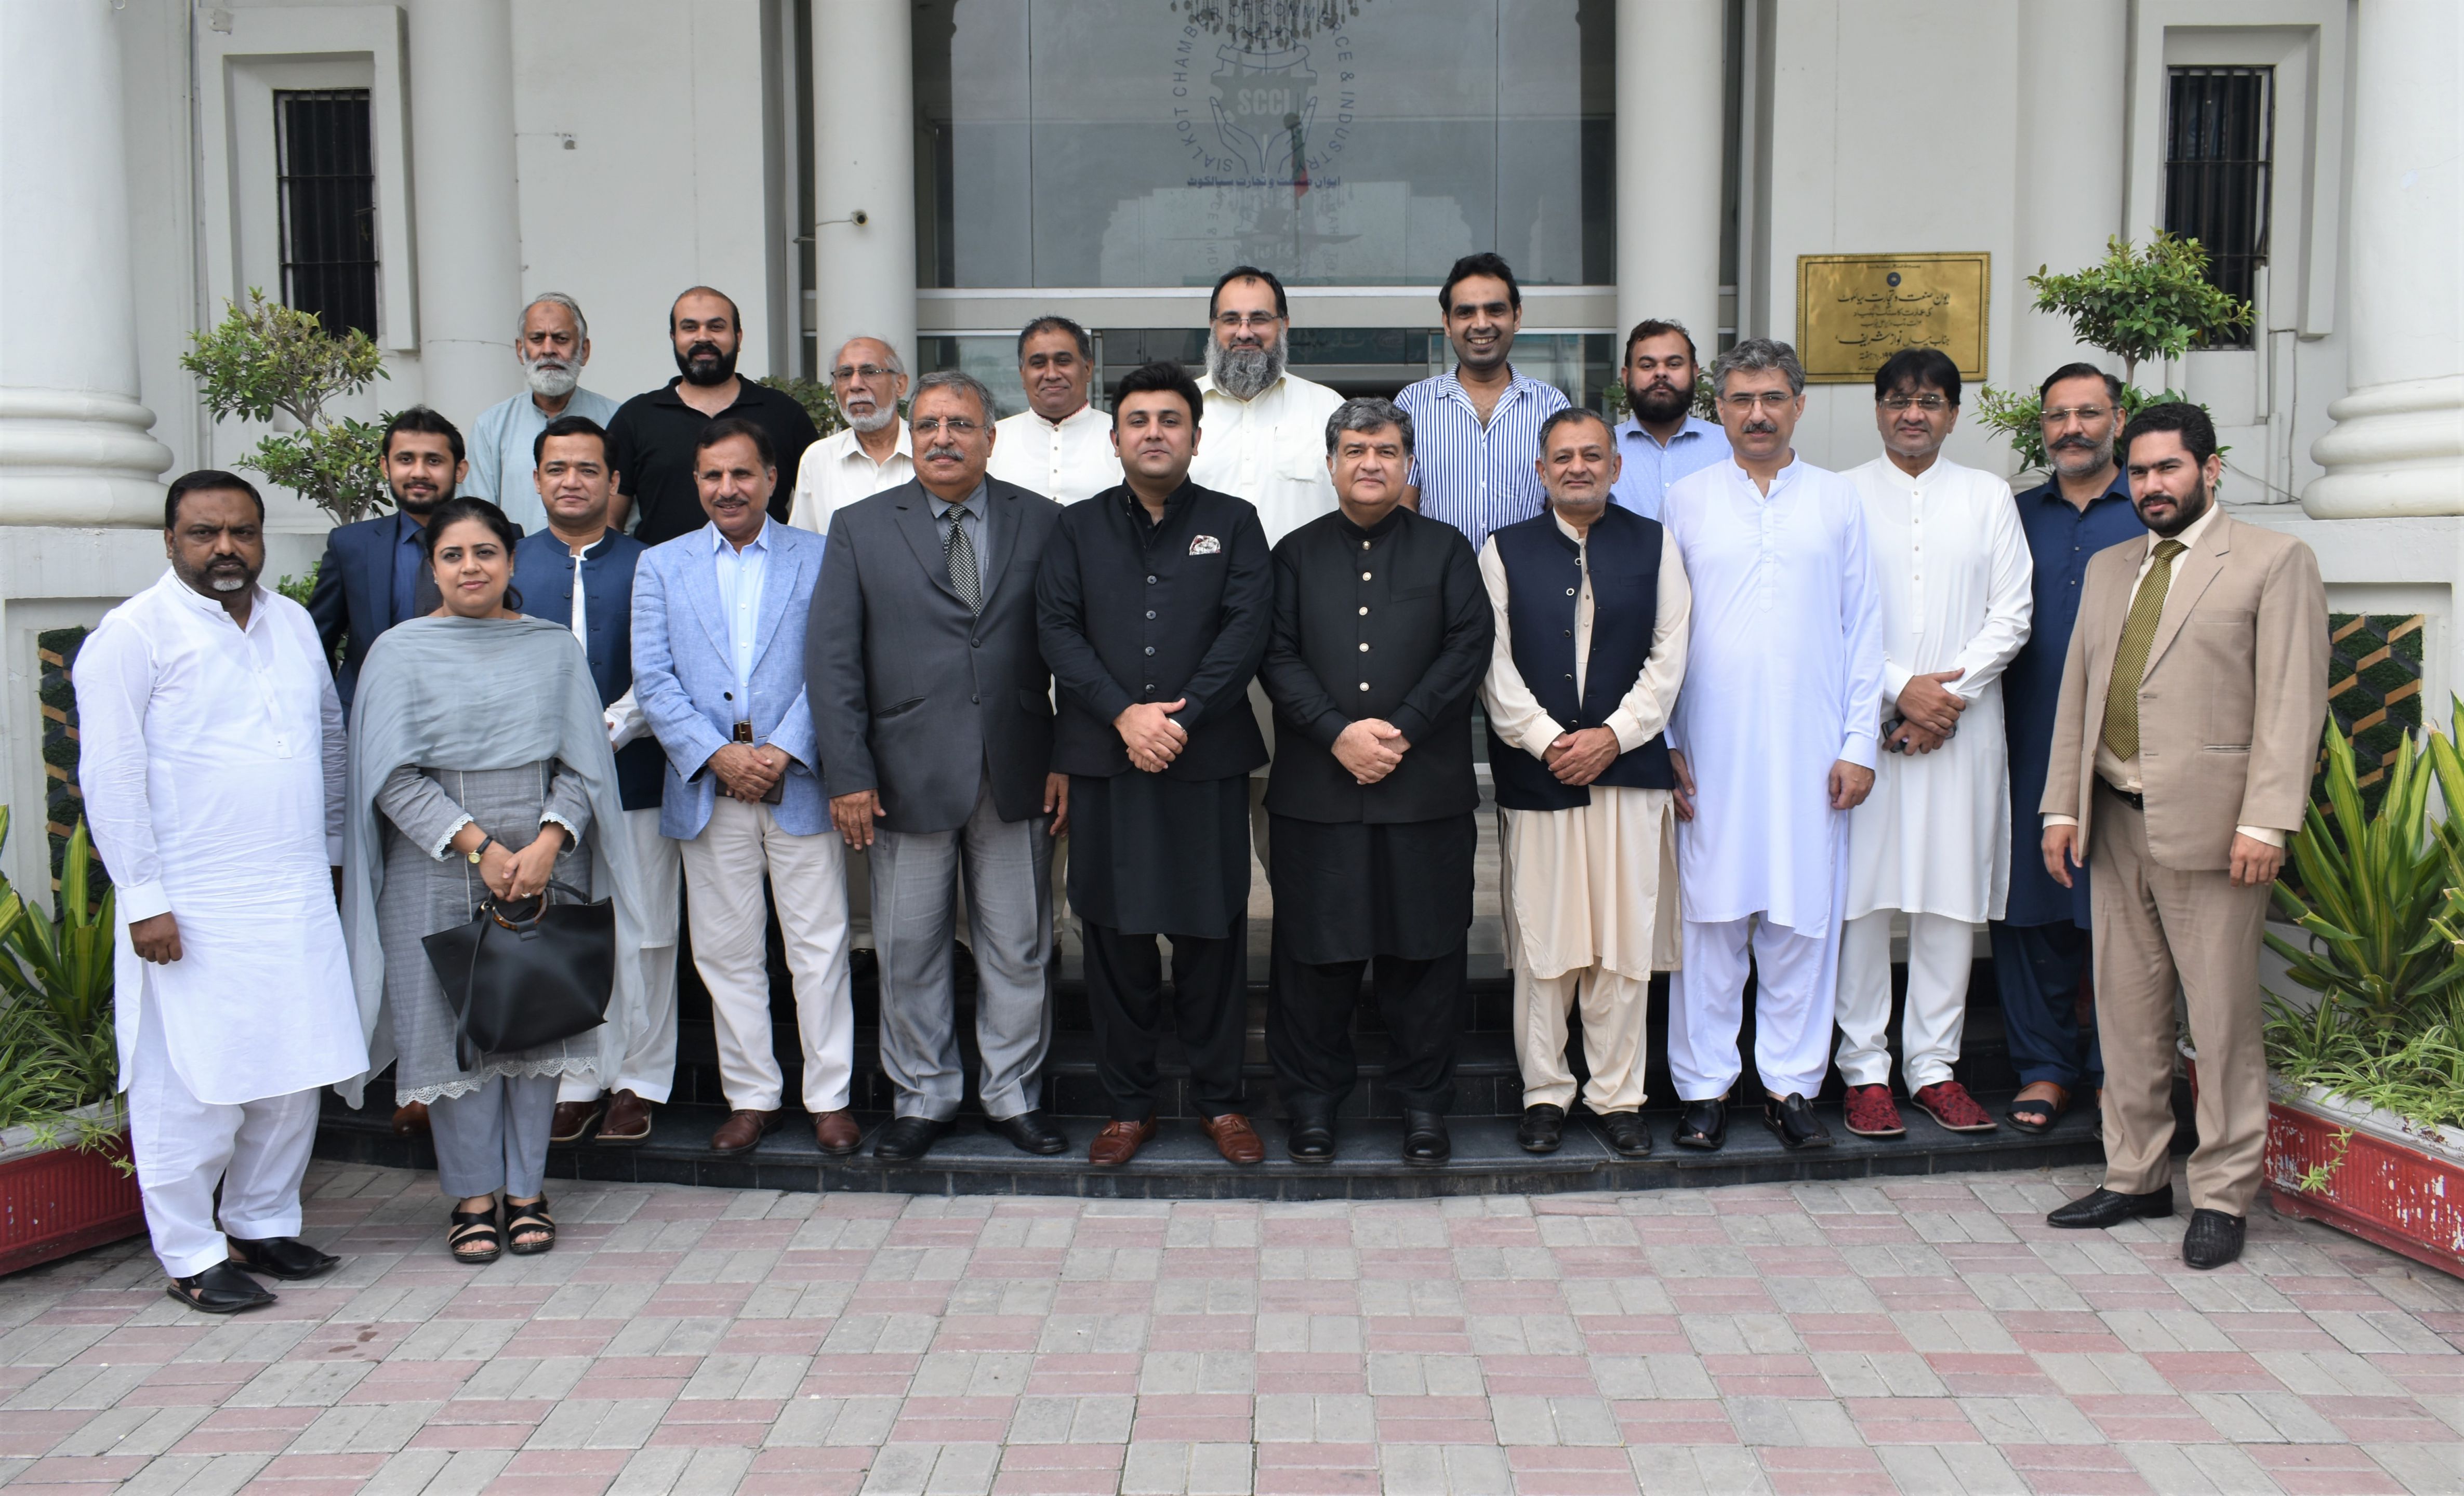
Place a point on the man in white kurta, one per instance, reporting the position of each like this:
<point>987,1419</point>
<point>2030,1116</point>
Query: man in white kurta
<point>873,453</point>
<point>1060,445</point>
<point>1776,737</point>
<point>1934,840</point>
<point>211,766</point>
<point>1583,777</point>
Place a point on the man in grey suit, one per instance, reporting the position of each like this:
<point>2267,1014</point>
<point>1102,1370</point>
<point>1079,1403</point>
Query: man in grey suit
<point>932,708</point>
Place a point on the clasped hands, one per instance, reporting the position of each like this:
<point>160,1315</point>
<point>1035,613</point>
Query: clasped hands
<point>1929,712</point>
<point>749,770</point>
<point>1370,748</point>
<point>511,874</point>
<point>1151,735</point>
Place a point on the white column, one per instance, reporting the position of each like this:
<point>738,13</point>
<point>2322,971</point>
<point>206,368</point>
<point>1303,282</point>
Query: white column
<point>76,447</point>
<point>2397,447</point>
<point>466,208</point>
<point>2074,112</point>
<point>1670,105</point>
<point>863,174</point>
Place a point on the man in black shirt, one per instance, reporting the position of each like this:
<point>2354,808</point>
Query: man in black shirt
<point>1152,610</point>
<point>1381,635</point>
<point>651,439</point>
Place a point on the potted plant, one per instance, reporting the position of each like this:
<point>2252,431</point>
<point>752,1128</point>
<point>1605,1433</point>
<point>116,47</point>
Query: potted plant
<point>2365,1113</point>
<point>268,360</point>
<point>66,1181</point>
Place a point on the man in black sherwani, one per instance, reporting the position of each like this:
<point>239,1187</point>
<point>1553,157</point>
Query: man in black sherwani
<point>1381,635</point>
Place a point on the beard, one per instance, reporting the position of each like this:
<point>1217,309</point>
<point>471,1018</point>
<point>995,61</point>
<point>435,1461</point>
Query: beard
<point>419,504</point>
<point>703,363</point>
<point>216,581</point>
<point>2185,516</point>
<point>1245,373</point>
<point>552,378</point>
<point>1660,402</point>
<point>873,420</point>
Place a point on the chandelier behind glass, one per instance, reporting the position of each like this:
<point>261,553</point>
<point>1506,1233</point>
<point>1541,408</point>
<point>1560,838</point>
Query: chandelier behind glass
<point>1266,25</point>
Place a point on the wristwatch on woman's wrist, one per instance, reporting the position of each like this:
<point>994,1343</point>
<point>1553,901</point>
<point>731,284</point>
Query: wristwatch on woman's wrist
<point>481,850</point>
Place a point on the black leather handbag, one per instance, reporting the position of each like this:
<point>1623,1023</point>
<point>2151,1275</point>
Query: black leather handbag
<point>517,981</point>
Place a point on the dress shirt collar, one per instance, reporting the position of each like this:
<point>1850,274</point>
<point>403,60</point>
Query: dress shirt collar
<point>721,544</point>
<point>905,448</point>
<point>1136,509</point>
<point>257,601</point>
<point>1076,417</point>
<point>2050,490</point>
<point>1915,483</point>
<point>1206,385</point>
<point>2188,537</point>
<point>1384,526</point>
<point>1695,430</point>
<point>1564,529</point>
<point>1780,480</point>
<point>593,551</point>
<point>974,503</point>
<point>1450,387</point>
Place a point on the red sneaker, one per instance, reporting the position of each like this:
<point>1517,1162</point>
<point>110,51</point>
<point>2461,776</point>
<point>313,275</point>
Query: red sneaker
<point>1953,1109</point>
<point>1871,1114</point>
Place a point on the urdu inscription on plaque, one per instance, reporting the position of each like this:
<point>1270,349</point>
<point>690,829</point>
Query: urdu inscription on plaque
<point>1855,311</point>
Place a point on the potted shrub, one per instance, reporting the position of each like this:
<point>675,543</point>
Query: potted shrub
<point>66,1181</point>
<point>2365,1114</point>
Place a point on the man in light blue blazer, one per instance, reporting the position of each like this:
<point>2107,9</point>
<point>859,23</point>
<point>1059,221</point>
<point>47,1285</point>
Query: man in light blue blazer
<point>719,670</point>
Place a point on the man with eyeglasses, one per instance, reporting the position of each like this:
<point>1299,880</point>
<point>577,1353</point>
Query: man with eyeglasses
<point>1932,842</point>
<point>933,711</point>
<point>651,439</point>
<point>873,453</point>
<point>1772,743</point>
<point>2040,943</point>
<point>1478,425</point>
<point>1060,445</point>
<point>1661,439</point>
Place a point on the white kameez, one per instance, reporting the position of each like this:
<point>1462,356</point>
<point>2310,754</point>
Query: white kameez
<point>1783,678</point>
<point>212,762</point>
<point>1952,565</point>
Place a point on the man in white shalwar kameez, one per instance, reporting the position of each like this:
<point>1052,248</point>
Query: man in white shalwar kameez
<point>1774,736</point>
<point>1580,682</point>
<point>211,766</point>
<point>1934,840</point>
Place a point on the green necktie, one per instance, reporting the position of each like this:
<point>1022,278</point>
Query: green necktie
<point>2130,661</point>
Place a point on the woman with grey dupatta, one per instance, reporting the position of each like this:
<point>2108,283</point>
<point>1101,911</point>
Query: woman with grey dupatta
<point>479,765</point>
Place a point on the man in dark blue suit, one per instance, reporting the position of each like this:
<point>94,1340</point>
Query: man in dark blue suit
<point>374,575</point>
<point>579,572</point>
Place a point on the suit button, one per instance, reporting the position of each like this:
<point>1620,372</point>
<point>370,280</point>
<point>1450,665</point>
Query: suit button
<point>1364,685</point>
<point>1364,648</point>
<point>976,701</point>
<point>727,696</point>
<point>1151,581</point>
<point>1364,576</point>
<point>976,643</point>
<point>1150,649</point>
<point>1151,613</point>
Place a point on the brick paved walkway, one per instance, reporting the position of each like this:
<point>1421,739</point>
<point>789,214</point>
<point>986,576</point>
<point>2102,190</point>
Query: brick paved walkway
<point>1926,1336</point>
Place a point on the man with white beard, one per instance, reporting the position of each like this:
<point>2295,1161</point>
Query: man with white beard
<point>552,346</point>
<point>873,453</point>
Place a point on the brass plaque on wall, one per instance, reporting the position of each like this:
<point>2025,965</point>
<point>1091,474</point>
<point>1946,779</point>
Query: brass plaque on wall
<point>1855,311</point>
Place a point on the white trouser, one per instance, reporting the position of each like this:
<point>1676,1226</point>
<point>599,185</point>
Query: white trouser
<point>730,924</point>
<point>1615,1010</point>
<point>1794,975</point>
<point>648,1069</point>
<point>258,1150</point>
<point>1940,950</point>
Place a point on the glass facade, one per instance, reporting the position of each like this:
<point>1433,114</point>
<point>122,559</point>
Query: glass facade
<point>1124,144</point>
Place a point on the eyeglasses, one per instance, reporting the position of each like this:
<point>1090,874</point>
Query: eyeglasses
<point>1766,400</point>
<point>861,371</point>
<point>2085,414</point>
<point>1929,404</point>
<point>1260,320</point>
<point>956,426</point>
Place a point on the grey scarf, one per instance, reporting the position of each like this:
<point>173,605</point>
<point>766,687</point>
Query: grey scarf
<point>479,694</point>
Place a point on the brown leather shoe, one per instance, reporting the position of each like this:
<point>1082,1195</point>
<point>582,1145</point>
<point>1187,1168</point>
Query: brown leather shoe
<point>1119,1143</point>
<point>571,1122</point>
<point>837,1132</point>
<point>1234,1138</point>
<point>410,1119</point>
<point>743,1132</point>
<point>627,1124</point>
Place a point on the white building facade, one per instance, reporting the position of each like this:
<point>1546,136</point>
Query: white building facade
<point>936,172</point>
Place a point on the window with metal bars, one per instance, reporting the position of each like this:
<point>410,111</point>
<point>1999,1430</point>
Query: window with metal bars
<point>2219,145</point>
<point>325,166</point>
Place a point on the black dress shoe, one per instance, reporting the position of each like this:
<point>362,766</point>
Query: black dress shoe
<point>2213,1240</point>
<point>1309,1139</point>
<point>1703,1124</point>
<point>283,1257</point>
<point>2103,1207</point>
<point>1629,1134</point>
<point>1791,1119</point>
<point>908,1138</point>
<point>1543,1129</point>
<point>1030,1132</point>
<point>1425,1138</point>
<point>220,1290</point>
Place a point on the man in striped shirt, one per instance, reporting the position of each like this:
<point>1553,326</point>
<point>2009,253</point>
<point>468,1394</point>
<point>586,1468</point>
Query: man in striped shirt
<point>1479,423</point>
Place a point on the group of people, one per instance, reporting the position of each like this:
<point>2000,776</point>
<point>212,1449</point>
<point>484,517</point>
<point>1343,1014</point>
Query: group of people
<point>1742,716</point>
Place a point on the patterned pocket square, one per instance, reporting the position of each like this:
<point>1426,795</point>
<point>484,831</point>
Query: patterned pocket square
<point>1206,545</point>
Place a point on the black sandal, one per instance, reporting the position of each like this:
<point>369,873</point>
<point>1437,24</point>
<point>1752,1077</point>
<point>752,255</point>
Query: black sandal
<point>534,1219</point>
<point>2039,1113</point>
<point>473,1225</point>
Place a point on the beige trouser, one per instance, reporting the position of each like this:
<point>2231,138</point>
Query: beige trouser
<point>2154,928</point>
<point>1615,1010</point>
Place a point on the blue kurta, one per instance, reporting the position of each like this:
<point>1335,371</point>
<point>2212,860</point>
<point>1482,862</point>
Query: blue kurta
<point>2060,537</point>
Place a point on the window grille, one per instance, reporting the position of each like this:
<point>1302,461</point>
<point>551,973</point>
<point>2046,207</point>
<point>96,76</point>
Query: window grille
<point>2219,146</point>
<point>325,166</point>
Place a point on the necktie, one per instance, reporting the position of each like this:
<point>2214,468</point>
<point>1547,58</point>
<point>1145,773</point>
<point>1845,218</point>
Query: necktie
<point>962,563</point>
<point>2130,661</point>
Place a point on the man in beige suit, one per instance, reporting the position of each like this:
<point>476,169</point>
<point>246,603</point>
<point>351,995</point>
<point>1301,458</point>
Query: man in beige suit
<point>2189,715</point>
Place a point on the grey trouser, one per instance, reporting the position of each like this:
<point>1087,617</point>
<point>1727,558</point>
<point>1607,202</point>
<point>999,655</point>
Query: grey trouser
<point>495,1137</point>
<point>1009,907</point>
